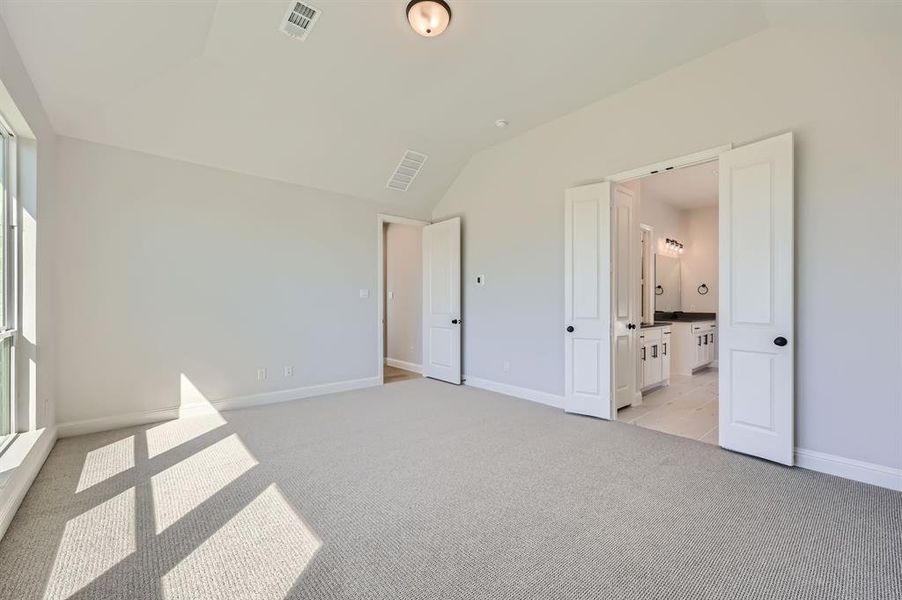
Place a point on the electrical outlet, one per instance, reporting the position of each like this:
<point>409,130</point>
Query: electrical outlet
<point>507,366</point>
<point>364,293</point>
<point>261,374</point>
<point>288,370</point>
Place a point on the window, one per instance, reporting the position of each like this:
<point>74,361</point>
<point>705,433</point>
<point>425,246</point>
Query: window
<point>7,280</point>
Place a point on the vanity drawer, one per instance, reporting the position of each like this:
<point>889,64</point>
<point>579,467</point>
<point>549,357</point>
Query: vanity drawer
<point>652,334</point>
<point>705,326</point>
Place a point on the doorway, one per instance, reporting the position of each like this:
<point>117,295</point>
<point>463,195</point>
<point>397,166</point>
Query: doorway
<point>418,299</point>
<point>749,337</point>
<point>677,285</point>
<point>400,293</point>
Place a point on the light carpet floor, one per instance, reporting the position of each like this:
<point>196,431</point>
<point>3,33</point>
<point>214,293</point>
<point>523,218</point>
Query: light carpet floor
<point>429,491</point>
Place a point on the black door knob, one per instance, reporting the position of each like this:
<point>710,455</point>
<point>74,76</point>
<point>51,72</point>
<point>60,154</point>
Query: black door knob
<point>569,328</point>
<point>454,321</point>
<point>631,326</point>
<point>780,341</point>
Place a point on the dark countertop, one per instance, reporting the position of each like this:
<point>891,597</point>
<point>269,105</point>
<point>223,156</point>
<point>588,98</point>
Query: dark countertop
<point>655,324</point>
<point>682,317</point>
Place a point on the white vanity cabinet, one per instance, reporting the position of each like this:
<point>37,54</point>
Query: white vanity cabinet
<point>655,348</point>
<point>694,345</point>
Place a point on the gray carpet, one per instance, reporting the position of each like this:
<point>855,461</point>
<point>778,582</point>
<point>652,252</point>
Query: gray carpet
<point>424,490</point>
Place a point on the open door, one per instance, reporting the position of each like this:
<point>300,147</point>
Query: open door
<point>625,295</point>
<point>756,300</point>
<point>587,300</point>
<point>441,301</point>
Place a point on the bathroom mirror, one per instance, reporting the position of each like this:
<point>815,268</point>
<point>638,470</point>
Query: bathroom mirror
<point>667,283</point>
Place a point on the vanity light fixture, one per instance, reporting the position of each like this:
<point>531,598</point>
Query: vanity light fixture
<point>674,246</point>
<point>429,18</point>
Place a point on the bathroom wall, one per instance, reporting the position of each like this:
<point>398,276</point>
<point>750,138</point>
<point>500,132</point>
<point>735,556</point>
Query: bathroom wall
<point>667,221</point>
<point>699,260</point>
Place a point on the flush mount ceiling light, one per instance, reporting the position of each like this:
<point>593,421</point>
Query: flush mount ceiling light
<point>429,18</point>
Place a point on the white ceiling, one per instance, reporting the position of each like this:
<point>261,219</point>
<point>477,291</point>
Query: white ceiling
<point>217,83</point>
<point>685,189</point>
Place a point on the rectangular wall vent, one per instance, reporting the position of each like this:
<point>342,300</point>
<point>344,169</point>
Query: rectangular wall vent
<point>406,171</point>
<point>299,20</point>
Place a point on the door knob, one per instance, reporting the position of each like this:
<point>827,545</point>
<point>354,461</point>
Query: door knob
<point>454,321</point>
<point>631,326</point>
<point>569,328</point>
<point>780,341</point>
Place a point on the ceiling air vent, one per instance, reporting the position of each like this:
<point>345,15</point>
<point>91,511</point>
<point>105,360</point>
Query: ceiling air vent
<point>406,171</point>
<point>299,20</point>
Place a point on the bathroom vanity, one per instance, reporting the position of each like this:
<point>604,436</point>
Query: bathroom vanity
<point>694,345</point>
<point>655,349</point>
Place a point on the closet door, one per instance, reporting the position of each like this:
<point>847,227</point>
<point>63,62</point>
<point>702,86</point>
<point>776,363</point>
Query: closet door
<point>755,321</point>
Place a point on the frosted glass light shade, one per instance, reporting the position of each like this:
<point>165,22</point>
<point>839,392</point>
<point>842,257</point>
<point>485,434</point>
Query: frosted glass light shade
<point>429,18</point>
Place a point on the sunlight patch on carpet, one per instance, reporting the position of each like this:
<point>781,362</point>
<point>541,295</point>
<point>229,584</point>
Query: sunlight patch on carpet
<point>259,553</point>
<point>93,543</point>
<point>186,485</point>
<point>172,434</point>
<point>107,461</point>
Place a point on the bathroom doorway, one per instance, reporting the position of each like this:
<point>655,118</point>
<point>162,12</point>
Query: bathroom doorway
<point>677,285</point>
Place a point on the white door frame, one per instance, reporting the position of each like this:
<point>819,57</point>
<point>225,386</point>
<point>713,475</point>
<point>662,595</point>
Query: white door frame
<point>703,156</point>
<point>648,264</point>
<point>381,221</point>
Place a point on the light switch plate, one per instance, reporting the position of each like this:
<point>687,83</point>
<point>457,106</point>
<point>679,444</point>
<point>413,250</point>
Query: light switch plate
<point>364,293</point>
<point>480,280</point>
<point>391,295</point>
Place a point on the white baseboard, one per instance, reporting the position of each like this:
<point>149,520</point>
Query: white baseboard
<point>25,457</point>
<point>403,364</point>
<point>165,414</point>
<point>517,392</point>
<point>82,427</point>
<point>849,468</point>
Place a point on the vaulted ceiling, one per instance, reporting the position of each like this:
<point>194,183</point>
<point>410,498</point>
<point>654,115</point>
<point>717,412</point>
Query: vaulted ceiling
<point>217,83</point>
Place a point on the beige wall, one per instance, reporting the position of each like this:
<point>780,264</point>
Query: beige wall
<point>404,285</point>
<point>699,260</point>
<point>174,269</point>
<point>840,92</point>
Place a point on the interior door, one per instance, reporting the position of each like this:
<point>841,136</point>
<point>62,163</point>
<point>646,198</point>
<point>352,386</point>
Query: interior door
<point>756,299</point>
<point>625,294</point>
<point>441,301</point>
<point>587,300</point>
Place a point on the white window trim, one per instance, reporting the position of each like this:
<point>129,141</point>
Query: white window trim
<point>8,202</point>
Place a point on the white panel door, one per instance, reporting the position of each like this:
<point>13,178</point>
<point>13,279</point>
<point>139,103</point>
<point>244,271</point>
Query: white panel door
<point>587,300</point>
<point>625,294</point>
<point>756,300</point>
<point>441,301</point>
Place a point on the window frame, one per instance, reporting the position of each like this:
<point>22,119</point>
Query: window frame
<point>10,259</point>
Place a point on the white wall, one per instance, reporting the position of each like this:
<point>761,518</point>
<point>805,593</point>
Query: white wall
<point>35,350</point>
<point>667,221</point>
<point>170,268</point>
<point>404,282</point>
<point>841,93</point>
<point>699,260</point>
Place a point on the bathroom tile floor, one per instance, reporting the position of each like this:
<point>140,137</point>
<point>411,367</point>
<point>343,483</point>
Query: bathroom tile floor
<point>687,407</point>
